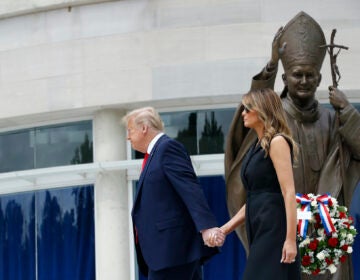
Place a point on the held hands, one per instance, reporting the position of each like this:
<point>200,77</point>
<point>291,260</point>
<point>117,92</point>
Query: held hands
<point>289,252</point>
<point>213,237</point>
<point>337,98</point>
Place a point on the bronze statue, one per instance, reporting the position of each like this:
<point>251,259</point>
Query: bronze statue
<point>313,126</point>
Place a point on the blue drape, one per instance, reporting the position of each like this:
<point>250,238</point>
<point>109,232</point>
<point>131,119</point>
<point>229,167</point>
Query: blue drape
<point>56,226</point>
<point>17,242</point>
<point>66,234</point>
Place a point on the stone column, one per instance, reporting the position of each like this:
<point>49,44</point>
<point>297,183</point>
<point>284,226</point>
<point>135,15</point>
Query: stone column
<point>111,198</point>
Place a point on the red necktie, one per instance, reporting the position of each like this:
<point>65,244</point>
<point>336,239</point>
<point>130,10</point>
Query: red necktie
<point>144,161</point>
<point>142,167</point>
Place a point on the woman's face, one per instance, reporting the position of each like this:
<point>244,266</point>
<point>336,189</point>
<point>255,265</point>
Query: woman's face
<point>250,117</point>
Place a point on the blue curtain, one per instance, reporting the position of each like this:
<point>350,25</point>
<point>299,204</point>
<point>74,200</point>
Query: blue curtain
<point>17,232</point>
<point>61,222</point>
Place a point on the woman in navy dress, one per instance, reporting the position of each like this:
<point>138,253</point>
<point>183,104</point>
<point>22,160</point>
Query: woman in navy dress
<point>270,209</point>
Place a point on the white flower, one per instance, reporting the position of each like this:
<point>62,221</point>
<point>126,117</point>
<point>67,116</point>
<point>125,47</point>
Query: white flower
<point>320,233</point>
<point>337,252</point>
<point>350,237</point>
<point>313,203</point>
<point>307,241</point>
<point>334,202</point>
<point>332,268</point>
<point>320,256</point>
<point>349,250</point>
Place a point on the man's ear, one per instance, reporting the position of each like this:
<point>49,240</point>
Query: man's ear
<point>145,128</point>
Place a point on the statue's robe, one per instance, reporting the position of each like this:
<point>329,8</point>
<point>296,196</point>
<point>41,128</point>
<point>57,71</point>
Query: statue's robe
<point>318,168</point>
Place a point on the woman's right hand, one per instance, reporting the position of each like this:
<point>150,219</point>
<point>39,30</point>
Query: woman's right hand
<point>289,251</point>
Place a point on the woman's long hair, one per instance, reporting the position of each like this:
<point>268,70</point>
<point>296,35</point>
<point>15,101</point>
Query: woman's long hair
<point>271,112</point>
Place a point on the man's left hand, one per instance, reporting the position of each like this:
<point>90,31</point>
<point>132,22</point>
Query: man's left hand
<point>213,237</point>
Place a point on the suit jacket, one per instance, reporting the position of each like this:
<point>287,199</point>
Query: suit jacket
<point>170,210</point>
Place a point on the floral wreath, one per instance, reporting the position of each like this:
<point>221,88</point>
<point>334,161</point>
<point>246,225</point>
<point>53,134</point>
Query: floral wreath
<point>326,237</point>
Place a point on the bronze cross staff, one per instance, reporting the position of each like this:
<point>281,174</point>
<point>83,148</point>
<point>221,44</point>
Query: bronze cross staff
<point>334,68</point>
<point>335,74</point>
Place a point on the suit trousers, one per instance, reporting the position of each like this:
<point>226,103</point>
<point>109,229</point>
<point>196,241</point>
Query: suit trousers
<point>189,271</point>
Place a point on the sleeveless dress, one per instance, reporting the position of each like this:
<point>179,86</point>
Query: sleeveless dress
<point>265,220</point>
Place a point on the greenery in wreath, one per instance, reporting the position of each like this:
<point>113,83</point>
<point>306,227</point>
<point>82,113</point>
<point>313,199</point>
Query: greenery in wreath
<point>326,238</point>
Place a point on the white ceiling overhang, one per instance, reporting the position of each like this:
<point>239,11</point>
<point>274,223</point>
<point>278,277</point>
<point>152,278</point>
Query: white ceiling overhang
<point>84,174</point>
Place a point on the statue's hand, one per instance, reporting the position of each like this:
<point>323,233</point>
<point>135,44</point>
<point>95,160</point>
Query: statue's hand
<point>277,50</point>
<point>337,98</point>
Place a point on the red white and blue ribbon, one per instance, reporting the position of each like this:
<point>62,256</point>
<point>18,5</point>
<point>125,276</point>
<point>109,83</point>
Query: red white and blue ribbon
<point>305,202</point>
<point>322,202</point>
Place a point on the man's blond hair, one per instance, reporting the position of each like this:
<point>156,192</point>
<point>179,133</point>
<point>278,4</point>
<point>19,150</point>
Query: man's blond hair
<point>147,116</point>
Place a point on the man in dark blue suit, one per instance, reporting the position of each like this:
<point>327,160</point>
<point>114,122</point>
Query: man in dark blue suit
<point>171,217</point>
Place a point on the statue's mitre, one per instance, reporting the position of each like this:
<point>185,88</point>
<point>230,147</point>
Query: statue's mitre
<point>304,38</point>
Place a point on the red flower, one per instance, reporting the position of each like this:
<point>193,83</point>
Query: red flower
<point>313,245</point>
<point>342,258</point>
<point>306,260</point>
<point>329,261</point>
<point>345,247</point>
<point>333,242</point>
<point>316,271</point>
<point>317,218</point>
<point>342,215</point>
